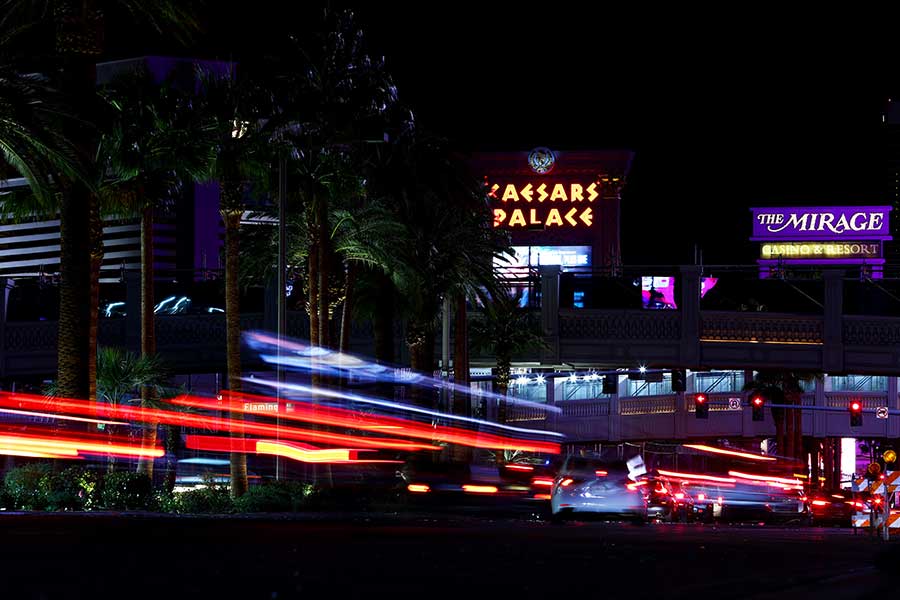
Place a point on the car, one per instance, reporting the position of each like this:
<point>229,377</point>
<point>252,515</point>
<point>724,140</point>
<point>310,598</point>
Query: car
<point>590,487</point>
<point>835,507</point>
<point>668,500</point>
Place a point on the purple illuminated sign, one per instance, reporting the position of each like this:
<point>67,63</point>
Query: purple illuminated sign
<point>821,223</point>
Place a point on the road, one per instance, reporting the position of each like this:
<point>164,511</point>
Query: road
<point>426,555</point>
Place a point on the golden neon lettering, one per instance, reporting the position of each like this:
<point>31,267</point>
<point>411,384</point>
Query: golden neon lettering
<point>559,193</point>
<point>526,192</point>
<point>542,191</point>
<point>592,192</point>
<point>553,218</point>
<point>510,193</point>
<point>517,218</point>
<point>570,218</point>
<point>587,217</point>
<point>577,193</point>
<point>534,220</point>
<point>499,216</point>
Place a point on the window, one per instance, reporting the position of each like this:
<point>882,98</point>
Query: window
<point>858,383</point>
<point>719,381</point>
<point>585,387</point>
<point>638,387</point>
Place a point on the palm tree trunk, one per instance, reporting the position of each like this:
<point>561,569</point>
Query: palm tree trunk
<point>501,386</point>
<point>789,431</point>
<point>232,218</point>
<point>798,429</point>
<point>73,342</point>
<point>96,263</point>
<point>461,355</point>
<point>324,269</point>
<point>347,311</point>
<point>383,322</point>
<point>77,80</point>
<point>148,332</point>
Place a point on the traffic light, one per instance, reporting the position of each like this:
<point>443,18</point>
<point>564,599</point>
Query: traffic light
<point>757,404</point>
<point>610,384</point>
<point>855,413</point>
<point>701,406</point>
<point>679,380</point>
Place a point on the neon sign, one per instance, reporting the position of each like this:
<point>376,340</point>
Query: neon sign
<point>542,197</point>
<point>821,223</point>
<point>822,250</point>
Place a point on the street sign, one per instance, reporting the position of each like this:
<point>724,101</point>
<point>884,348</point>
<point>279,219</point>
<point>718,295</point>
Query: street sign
<point>881,412</point>
<point>734,404</point>
<point>636,467</point>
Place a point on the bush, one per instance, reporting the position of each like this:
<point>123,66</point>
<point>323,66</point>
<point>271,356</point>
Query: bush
<point>213,498</point>
<point>74,488</point>
<point>281,496</point>
<point>28,486</point>
<point>124,490</point>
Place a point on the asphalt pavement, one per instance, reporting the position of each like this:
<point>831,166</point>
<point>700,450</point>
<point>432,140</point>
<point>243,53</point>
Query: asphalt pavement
<point>429,555</point>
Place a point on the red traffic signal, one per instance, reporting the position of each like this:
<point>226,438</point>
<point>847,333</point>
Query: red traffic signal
<point>855,413</point>
<point>701,406</point>
<point>757,403</point>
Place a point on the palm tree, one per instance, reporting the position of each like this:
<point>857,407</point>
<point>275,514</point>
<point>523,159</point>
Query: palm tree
<point>154,144</point>
<point>330,87</point>
<point>77,30</point>
<point>448,245</point>
<point>504,330</point>
<point>234,111</point>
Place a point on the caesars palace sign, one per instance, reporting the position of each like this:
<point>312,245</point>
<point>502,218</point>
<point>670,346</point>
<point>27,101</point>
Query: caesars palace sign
<point>544,204</point>
<point>551,204</point>
<point>821,224</point>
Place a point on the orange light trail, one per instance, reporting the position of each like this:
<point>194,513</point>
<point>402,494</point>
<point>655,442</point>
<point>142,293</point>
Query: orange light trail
<point>705,448</point>
<point>768,478</point>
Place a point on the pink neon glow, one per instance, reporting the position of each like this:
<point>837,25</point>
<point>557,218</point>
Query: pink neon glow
<point>32,413</point>
<point>705,448</point>
<point>520,467</point>
<point>769,478</point>
<point>696,476</point>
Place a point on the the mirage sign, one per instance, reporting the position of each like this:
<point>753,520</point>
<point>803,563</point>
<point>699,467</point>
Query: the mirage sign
<point>835,223</point>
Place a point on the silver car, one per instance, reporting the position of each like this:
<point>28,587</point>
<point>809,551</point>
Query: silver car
<point>592,487</point>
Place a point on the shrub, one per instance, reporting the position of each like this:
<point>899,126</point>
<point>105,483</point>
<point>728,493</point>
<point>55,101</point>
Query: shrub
<point>211,499</point>
<point>28,486</point>
<point>280,496</point>
<point>74,488</point>
<point>124,490</point>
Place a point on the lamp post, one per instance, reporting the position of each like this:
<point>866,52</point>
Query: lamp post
<point>281,309</point>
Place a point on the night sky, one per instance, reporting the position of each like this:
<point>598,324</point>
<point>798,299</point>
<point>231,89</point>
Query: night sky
<point>724,111</point>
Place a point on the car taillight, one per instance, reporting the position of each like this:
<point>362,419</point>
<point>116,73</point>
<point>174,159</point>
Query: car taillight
<point>566,482</point>
<point>479,489</point>
<point>601,473</point>
<point>679,496</point>
<point>858,504</point>
<point>541,481</point>
<point>419,488</point>
<point>820,502</point>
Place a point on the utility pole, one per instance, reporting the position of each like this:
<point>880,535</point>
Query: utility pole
<point>280,306</point>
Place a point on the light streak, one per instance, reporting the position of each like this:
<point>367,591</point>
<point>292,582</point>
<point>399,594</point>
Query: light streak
<point>728,452</point>
<point>696,476</point>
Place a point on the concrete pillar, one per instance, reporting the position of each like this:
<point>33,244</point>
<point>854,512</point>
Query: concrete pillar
<point>833,350</point>
<point>690,316</point>
<point>819,421</point>
<point>615,420</point>
<point>550,313</point>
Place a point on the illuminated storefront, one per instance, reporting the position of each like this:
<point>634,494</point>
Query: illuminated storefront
<point>841,236</point>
